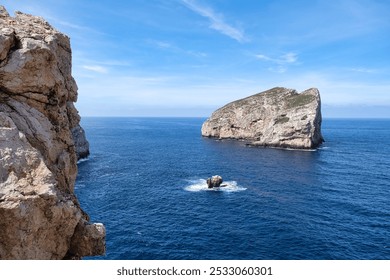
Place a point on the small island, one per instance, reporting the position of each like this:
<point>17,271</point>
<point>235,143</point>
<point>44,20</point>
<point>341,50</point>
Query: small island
<point>278,117</point>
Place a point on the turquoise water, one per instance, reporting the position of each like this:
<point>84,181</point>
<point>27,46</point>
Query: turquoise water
<point>145,180</point>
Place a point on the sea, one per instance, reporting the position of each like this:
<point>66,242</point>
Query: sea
<point>145,180</point>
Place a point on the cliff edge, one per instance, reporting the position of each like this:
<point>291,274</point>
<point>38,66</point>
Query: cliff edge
<point>278,117</point>
<point>40,216</point>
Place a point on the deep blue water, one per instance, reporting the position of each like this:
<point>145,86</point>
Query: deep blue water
<point>145,181</point>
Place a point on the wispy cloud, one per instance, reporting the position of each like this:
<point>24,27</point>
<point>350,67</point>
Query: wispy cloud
<point>71,26</point>
<point>68,24</point>
<point>163,45</point>
<point>283,59</point>
<point>174,48</point>
<point>96,68</point>
<point>217,21</point>
<point>279,63</point>
<point>363,70</point>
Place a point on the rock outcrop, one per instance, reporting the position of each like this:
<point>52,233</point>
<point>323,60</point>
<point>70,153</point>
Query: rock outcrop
<point>214,182</point>
<point>80,141</point>
<point>40,216</point>
<point>278,117</point>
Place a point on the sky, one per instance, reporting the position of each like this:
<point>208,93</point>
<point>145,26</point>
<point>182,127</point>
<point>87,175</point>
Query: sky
<point>186,58</point>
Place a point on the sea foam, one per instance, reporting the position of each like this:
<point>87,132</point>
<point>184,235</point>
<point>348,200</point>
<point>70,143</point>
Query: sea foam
<point>199,185</point>
<point>82,160</point>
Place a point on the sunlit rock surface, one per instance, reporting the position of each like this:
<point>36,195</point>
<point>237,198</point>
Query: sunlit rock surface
<point>40,217</point>
<point>278,117</point>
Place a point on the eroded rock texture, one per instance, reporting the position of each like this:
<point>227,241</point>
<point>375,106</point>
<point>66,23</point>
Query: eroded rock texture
<point>278,117</point>
<point>40,217</point>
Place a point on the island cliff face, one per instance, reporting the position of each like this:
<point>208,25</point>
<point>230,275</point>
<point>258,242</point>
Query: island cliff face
<point>40,216</point>
<point>278,117</point>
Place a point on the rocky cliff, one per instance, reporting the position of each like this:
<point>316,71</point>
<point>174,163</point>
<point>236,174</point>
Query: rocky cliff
<point>40,216</point>
<point>278,117</point>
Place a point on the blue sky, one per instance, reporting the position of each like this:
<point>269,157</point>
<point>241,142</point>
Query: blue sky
<point>189,57</point>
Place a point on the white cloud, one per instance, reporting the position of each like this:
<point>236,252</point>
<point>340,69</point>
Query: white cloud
<point>279,63</point>
<point>278,69</point>
<point>217,21</point>
<point>263,57</point>
<point>288,58</point>
<point>281,60</point>
<point>363,70</point>
<point>163,45</point>
<point>96,68</point>
<point>171,47</point>
<point>68,24</point>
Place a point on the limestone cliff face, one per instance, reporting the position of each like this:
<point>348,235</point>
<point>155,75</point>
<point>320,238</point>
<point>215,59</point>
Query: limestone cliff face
<point>278,117</point>
<point>40,217</point>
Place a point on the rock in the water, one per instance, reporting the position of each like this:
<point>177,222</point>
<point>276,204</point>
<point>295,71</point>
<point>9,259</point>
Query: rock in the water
<point>214,181</point>
<point>80,141</point>
<point>78,134</point>
<point>278,117</point>
<point>40,216</point>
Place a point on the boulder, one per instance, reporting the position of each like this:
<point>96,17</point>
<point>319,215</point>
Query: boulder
<point>214,181</point>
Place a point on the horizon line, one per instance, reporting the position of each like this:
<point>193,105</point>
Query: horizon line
<point>202,117</point>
